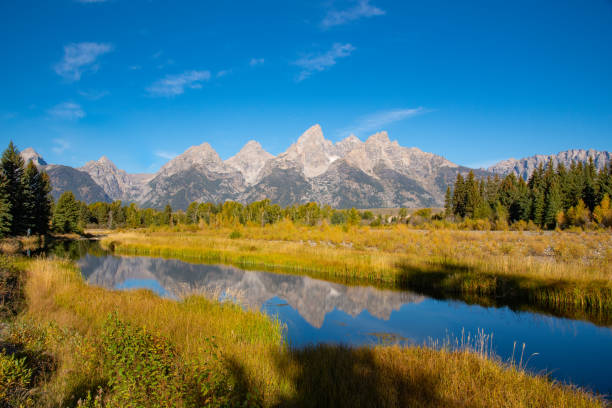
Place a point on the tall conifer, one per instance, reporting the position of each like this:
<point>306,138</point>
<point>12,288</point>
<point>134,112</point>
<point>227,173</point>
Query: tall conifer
<point>12,166</point>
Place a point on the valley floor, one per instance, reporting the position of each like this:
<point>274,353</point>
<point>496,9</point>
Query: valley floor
<point>68,343</point>
<point>563,273</point>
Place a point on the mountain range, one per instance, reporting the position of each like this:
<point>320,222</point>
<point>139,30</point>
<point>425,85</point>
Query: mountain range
<point>373,173</point>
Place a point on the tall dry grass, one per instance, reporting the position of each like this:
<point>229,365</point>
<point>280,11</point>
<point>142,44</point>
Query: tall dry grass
<point>566,273</point>
<point>72,314</point>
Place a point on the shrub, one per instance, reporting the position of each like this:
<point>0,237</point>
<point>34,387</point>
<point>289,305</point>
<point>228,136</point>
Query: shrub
<point>146,370</point>
<point>15,381</point>
<point>235,234</point>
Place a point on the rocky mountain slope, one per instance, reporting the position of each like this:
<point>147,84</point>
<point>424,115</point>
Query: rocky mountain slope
<point>117,184</point>
<point>66,178</point>
<point>377,172</point>
<point>249,161</point>
<point>524,167</point>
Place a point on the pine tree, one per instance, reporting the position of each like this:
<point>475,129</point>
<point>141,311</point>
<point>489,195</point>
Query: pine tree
<point>554,204</point>
<point>31,183</point>
<point>459,196</point>
<point>44,204</point>
<point>37,201</point>
<point>448,202</point>
<point>473,197</point>
<point>66,214</point>
<point>5,208</point>
<point>12,166</point>
<point>167,215</point>
<point>538,207</point>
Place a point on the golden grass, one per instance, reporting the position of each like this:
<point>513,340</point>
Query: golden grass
<point>252,351</point>
<point>565,273</point>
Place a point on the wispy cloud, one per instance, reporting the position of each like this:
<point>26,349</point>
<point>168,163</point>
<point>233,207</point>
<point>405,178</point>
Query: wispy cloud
<point>172,85</point>
<point>79,58</point>
<point>362,9</point>
<point>134,67</point>
<point>93,95</point>
<point>61,146</point>
<point>67,111</point>
<point>320,62</point>
<point>223,72</point>
<point>256,61</point>
<point>165,155</point>
<point>374,122</point>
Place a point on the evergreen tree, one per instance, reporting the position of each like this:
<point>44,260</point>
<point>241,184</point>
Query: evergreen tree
<point>473,197</point>
<point>31,182</point>
<point>5,208</point>
<point>538,207</point>
<point>66,214</point>
<point>448,202</point>
<point>459,196</point>
<point>12,166</point>
<point>44,204</point>
<point>554,204</point>
<point>167,215</point>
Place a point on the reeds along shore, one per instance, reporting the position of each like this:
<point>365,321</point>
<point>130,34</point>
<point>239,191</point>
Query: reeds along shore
<point>565,273</point>
<point>73,344</point>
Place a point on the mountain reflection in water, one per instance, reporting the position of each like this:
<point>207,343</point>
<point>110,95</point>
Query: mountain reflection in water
<point>315,311</point>
<point>313,299</point>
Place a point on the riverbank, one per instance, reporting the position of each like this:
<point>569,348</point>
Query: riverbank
<point>562,273</point>
<point>75,340</point>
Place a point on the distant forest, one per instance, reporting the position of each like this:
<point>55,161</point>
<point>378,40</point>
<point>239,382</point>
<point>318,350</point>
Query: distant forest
<point>562,197</point>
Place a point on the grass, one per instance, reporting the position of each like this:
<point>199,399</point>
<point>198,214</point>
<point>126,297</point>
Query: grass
<point>563,273</point>
<point>94,347</point>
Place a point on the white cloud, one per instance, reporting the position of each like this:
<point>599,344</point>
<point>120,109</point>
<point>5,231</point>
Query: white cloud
<point>223,73</point>
<point>61,146</point>
<point>165,155</point>
<point>79,58</point>
<point>134,67</point>
<point>375,121</point>
<point>67,110</point>
<point>172,85</point>
<point>256,61</point>
<point>93,95</point>
<point>363,8</point>
<point>320,62</point>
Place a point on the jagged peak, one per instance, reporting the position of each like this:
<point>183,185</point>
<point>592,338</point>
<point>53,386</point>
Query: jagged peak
<point>379,137</point>
<point>313,133</point>
<point>351,138</point>
<point>29,154</point>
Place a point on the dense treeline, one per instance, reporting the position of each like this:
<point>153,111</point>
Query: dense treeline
<point>25,200</point>
<point>114,215</point>
<point>552,197</point>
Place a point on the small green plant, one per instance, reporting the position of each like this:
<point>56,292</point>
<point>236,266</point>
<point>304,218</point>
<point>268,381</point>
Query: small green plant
<point>235,234</point>
<point>15,381</point>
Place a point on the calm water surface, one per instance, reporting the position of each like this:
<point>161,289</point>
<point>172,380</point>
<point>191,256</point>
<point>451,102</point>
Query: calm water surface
<point>316,311</point>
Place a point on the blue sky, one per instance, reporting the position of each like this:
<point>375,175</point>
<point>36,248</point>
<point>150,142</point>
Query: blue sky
<point>142,80</point>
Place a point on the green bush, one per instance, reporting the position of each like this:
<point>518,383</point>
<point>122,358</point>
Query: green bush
<point>235,234</point>
<point>146,370</point>
<point>15,381</point>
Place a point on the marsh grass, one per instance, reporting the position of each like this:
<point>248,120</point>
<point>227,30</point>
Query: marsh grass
<point>567,274</point>
<point>114,348</point>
